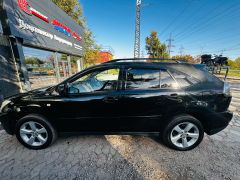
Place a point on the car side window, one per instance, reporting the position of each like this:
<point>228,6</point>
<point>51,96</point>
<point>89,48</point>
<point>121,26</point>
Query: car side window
<point>105,80</point>
<point>143,79</point>
<point>138,78</point>
<point>183,79</point>
<point>167,82</point>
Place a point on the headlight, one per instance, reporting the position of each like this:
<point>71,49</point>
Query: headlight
<point>4,104</point>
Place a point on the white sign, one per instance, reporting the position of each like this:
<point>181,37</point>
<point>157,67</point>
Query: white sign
<point>33,29</point>
<point>26,26</point>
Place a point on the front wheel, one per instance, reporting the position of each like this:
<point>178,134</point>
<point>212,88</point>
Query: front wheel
<point>35,132</point>
<point>183,133</point>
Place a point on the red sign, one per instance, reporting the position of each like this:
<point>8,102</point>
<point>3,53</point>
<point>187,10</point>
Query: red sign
<point>62,28</point>
<point>39,15</point>
<point>76,36</point>
<point>65,30</point>
<point>25,6</point>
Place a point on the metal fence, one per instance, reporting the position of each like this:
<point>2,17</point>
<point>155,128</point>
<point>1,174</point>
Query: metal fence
<point>225,72</point>
<point>51,73</point>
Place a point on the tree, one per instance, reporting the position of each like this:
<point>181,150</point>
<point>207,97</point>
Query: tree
<point>34,61</point>
<point>186,57</point>
<point>73,8</point>
<point>231,63</point>
<point>234,64</point>
<point>91,49</point>
<point>155,48</point>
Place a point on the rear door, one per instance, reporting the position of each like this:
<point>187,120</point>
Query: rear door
<point>149,93</point>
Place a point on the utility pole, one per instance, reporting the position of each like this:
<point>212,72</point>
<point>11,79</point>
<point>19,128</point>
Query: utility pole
<point>142,55</point>
<point>137,30</point>
<point>181,49</point>
<point>222,51</point>
<point>170,45</point>
<point>201,50</point>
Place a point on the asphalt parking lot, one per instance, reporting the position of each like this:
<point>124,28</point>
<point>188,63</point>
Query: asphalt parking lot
<point>125,157</point>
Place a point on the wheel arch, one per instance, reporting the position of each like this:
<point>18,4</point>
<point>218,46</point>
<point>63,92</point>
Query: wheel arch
<point>34,114</point>
<point>198,115</point>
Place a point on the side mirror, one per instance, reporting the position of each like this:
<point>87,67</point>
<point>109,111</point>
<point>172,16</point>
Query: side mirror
<point>62,89</point>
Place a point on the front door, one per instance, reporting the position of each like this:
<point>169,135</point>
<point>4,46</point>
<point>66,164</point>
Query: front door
<point>92,102</point>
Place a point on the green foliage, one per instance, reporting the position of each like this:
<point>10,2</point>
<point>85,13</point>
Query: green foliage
<point>186,57</point>
<point>230,63</point>
<point>91,49</point>
<point>234,64</point>
<point>73,9</point>
<point>34,61</point>
<point>155,48</point>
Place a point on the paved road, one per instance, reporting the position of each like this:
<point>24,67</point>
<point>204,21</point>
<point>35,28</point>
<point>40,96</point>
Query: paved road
<point>125,157</point>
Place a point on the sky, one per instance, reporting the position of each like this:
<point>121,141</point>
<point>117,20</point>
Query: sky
<point>197,26</point>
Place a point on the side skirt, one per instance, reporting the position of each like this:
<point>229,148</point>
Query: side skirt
<point>112,133</point>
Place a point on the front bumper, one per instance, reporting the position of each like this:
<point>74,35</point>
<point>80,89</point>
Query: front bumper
<point>7,123</point>
<point>218,121</point>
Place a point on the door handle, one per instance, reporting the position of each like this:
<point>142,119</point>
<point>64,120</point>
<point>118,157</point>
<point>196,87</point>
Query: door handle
<point>110,99</point>
<point>175,97</point>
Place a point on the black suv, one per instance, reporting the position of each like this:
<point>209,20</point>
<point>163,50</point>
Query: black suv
<point>176,100</point>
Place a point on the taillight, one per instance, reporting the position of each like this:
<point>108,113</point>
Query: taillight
<point>226,89</point>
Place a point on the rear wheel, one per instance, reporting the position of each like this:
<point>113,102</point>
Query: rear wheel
<point>183,133</point>
<point>35,132</point>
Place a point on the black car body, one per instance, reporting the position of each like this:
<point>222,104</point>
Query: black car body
<point>126,97</point>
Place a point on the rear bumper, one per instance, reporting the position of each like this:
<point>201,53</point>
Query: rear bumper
<point>218,121</point>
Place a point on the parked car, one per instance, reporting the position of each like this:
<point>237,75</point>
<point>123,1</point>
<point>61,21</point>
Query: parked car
<point>177,101</point>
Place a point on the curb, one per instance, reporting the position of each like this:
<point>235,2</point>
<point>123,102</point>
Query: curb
<point>229,78</point>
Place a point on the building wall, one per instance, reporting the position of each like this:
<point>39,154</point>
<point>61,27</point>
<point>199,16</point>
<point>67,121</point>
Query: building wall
<point>8,76</point>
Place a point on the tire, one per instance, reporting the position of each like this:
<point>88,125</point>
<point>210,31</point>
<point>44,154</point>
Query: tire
<point>183,133</point>
<point>35,132</point>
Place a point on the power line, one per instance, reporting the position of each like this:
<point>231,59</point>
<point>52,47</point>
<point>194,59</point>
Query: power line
<point>192,16</point>
<point>178,15</point>
<point>218,33</point>
<point>222,40</point>
<point>197,29</point>
<point>191,23</point>
<point>232,48</point>
<point>196,21</point>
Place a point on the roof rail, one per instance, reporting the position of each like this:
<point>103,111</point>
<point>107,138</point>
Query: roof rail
<point>144,59</point>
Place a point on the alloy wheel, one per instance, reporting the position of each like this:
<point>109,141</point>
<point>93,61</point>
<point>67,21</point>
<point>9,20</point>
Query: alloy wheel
<point>33,133</point>
<point>184,135</point>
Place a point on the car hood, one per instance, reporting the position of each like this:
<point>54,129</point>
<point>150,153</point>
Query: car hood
<point>29,94</point>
